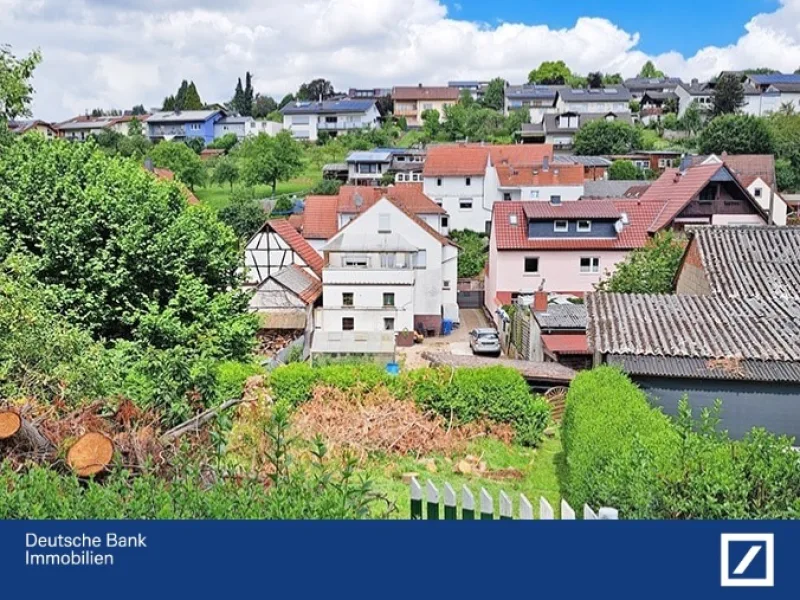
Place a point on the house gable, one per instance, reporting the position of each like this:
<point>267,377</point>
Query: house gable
<point>274,247</point>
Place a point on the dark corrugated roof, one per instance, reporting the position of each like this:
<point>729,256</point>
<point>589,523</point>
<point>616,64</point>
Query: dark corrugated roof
<point>701,368</point>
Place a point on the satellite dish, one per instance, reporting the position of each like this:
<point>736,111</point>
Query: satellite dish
<point>618,226</point>
<point>358,200</point>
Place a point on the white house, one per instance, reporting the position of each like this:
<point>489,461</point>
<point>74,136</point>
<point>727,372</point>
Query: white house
<point>609,99</point>
<point>388,271</point>
<point>466,180</point>
<point>245,126</point>
<point>306,120</point>
<point>702,93</point>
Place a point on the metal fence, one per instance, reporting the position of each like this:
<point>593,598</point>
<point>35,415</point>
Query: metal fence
<point>428,505</point>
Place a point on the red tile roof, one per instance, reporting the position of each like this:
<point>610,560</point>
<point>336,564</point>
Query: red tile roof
<point>455,160</point>
<point>290,235</point>
<point>566,344</point>
<point>320,218</point>
<point>519,154</point>
<point>410,195</point>
<point>575,209</point>
<point>535,176</point>
<point>676,190</point>
<point>515,237</point>
<point>415,92</point>
<point>755,165</point>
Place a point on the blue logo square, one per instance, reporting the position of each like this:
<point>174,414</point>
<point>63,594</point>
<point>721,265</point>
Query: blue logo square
<point>747,560</point>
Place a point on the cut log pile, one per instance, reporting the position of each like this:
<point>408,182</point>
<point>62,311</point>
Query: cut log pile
<point>86,442</point>
<point>272,341</point>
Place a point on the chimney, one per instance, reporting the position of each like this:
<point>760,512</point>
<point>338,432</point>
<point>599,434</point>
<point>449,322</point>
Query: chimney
<point>695,82</point>
<point>686,162</point>
<point>419,85</point>
<point>540,301</point>
<point>545,163</point>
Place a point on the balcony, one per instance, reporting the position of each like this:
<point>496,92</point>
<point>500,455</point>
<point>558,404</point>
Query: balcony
<point>361,276</point>
<point>167,131</point>
<point>340,126</point>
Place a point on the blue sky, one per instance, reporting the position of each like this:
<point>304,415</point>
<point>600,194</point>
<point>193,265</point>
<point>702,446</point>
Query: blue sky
<point>661,25</point>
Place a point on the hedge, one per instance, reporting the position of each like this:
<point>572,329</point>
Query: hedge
<point>495,393</point>
<point>622,452</point>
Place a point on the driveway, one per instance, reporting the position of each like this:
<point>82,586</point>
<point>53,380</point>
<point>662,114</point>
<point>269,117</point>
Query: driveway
<point>455,343</point>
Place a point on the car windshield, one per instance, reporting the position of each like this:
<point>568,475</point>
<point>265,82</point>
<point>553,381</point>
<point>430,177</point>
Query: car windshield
<point>487,336</point>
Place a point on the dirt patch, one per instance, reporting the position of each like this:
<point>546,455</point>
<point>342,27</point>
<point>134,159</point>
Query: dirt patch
<point>378,422</point>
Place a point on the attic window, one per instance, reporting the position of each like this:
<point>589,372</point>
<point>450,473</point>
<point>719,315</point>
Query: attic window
<point>757,192</point>
<point>555,200</point>
<point>384,223</point>
<point>512,219</point>
<point>584,226</point>
<point>560,226</point>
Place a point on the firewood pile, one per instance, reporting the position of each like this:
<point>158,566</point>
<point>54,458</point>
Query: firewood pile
<point>88,440</point>
<point>272,341</point>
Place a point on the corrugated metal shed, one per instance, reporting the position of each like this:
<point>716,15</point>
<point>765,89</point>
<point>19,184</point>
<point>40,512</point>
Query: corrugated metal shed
<point>701,368</point>
<point>562,316</point>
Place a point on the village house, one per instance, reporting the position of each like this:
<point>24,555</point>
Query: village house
<point>48,130</point>
<point>538,100</point>
<point>603,100</point>
<point>411,101</point>
<point>731,331</point>
<point>564,248</point>
<point>641,86</point>
<point>245,126</point>
<point>387,271</point>
<point>183,125</point>
<point>467,179</point>
<point>307,119</point>
<point>324,216</point>
<point>688,93</point>
<point>559,130</point>
<point>476,89</point>
<point>368,167</point>
<point>656,161</point>
<point>558,332</point>
<point>767,93</point>
<point>81,128</point>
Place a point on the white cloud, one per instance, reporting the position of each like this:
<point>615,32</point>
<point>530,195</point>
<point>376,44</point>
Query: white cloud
<point>117,53</point>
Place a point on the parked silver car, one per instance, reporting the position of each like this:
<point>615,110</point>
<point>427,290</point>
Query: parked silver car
<point>484,341</point>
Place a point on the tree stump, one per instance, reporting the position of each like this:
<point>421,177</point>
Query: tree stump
<point>10,424</point>
<point>91,454</point>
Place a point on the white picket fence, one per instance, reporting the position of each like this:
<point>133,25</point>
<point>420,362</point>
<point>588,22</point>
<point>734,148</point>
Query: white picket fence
<point>431,498</point>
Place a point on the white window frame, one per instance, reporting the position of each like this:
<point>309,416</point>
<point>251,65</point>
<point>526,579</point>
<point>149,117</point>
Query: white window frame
<point>593,267</point>
<point>446,284</point>
<point>463,201</point>
<point>421,261</point>
<point>531,273</point>
<point>584,226</point>
<point>560,226</point>
<point>384,223</point>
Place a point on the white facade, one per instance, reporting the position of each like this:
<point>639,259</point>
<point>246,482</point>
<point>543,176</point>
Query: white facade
<point>245,126</point>
<point>762,193</point>
<point>464,199</point>
<point>267,253</point>
<point>308,126</point>
<point>616,106</point>
<point>383,271</point>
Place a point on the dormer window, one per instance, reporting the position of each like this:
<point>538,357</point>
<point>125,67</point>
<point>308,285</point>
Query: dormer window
<point>584,226</point>
<point>560,226</point>
<point>555,200</point>
<point>512,219</point>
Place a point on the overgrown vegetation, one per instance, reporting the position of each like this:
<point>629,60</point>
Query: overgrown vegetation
<point>464,395</point>
<point>648,270</point>
<point>621,452</point>
<point>474,251</point>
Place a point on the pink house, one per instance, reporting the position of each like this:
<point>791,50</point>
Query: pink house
<point>569,247</point>
<point>565,248</point>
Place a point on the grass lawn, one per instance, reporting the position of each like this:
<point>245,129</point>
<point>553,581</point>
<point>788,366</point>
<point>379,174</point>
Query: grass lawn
<point>542,469</point>
<point>218,197</point>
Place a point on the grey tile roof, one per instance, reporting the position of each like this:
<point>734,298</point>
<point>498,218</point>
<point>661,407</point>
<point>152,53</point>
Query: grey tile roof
<point>531,92</point>
<point>708,327</point>
<point>701,368</point>
<point>604,94</point>
<point>182,116</point>
<point>327,107</point>
<point>652,83</point>
<point>748,262</point>
<point>586,161</point>
<point>562,316</point>
<point>603,188</point>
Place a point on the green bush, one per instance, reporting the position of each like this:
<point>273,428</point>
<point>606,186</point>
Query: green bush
<point>496,393</point>
<point>621,452</point>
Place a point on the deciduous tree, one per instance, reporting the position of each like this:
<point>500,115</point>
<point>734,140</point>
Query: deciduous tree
<point>181,160</point>
<point>606,137</point>
<point>736,134</point>
<point>316,89</point>
<point>623,170</point>
<point>494,96</point>
<point>550,73</point>
<point>649,71</point>
<point>16,90</point>
<point>648,270</point>
<point>268,160</point>
<point>728,95</point>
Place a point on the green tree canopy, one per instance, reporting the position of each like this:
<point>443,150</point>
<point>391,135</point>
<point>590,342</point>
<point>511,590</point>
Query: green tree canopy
<point>736,134</point>
<point>225,171</point>
<point>262,106</point>
<point>550,73</point>
<point>16,91</point>
<point>494,96</point>
<point>623,170</point>
<point>316,89</point>
<point>268,160</point>
<point>181,160</point>
<point>244,215</point>
<point>648,270</point>
<point>225,142</point>
<point>728,95</point>
<point>649,70</point>
<point>606,137</point>
<point>595,80</point>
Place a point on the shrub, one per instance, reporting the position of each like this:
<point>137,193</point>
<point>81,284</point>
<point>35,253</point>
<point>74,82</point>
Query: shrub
<point>293,383</point>
<point>496,393</point>
<point>621,452</point>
